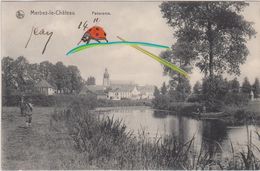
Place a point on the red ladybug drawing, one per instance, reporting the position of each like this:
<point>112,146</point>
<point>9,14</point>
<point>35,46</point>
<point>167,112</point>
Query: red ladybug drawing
<point>96,33</point>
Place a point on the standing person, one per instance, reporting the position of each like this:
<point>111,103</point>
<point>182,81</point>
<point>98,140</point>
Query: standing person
<point>28,108</point>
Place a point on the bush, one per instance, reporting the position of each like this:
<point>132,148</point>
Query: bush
<point>53,100</point>
<point>238,99</point>
<point>185,108</point>
<point>161,102</point>
<point>37,100</point>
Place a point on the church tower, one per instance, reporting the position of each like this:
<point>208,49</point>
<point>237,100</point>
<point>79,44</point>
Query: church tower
<point>106,81</point>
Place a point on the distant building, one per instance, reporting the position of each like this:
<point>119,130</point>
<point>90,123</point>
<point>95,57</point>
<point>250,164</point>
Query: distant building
<point>97,90</point>
<point>45,88</point>
<point>118,90</point>
<point>146,92</point>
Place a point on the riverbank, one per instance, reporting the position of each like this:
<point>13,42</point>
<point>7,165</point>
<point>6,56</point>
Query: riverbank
<point>72,138</point>
<point>124,102</point>
<point>231,115</point>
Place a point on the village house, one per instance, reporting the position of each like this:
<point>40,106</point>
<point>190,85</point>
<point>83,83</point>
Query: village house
<point>43,87</point>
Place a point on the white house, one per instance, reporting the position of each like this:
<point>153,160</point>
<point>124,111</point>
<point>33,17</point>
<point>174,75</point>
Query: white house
<point>120,92</point>
<point>45,88</point>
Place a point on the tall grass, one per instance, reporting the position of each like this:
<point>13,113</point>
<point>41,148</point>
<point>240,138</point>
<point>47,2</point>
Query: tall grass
<point>106,143</point>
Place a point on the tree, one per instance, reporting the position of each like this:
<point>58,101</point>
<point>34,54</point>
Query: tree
<point>179,87</point>
<point>74,79</point>
<point>214,33</point>
<point>20,74</point>
<point>7,72</point>
<point>246,87</point>
<point>164,89</point>
<point>47,71</point>
<point>160,100</point>
<point>91,81</point>
<point>197,88</point>
<point>156,92</point>
<point>256,88</point>
<point>234,85</point>
<point>177,55</point>
<point>183,90</point>
<point>214,91</point>
<point>60,77</point>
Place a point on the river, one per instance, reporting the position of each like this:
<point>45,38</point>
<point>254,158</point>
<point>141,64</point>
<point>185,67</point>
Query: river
<point>214,135</point>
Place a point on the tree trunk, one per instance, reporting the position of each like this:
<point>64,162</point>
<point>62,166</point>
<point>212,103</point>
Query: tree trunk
<point>210,39</point>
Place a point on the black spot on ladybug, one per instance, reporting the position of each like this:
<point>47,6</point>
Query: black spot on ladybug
<point>97,28</point>
<point>97,34</point>
<point>105,34</point>
<point>90,29</point>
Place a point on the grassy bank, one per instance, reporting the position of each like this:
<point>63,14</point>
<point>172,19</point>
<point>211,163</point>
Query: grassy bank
<point>234,115</point>
<point>71,138</point>
<point>244,114</point>
<point>106,143</point>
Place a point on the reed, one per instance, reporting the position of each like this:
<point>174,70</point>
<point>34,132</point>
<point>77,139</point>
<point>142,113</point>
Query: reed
<point>105,142</point>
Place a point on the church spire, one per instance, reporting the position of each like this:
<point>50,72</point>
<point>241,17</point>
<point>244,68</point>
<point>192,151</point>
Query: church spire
<point>106,78</point>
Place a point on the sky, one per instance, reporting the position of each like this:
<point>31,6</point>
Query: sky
<point>134,21</point>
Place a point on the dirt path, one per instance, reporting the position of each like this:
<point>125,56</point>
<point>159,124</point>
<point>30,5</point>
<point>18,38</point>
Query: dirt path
<point>38,147</point>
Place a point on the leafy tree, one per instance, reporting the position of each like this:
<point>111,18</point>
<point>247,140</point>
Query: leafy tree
<point>214,33</point>
<point>246,87</point>
<point>172,93</point>
<point>161,102</point>
<point>47,71</point>
<point>7,72</point>
<point>256,88</point>
<point>21,74</point>
<point>164,89</point>
<point>234,85</point>
<point>75,81</point>
<point>197,88</point>
<point>214,91</point>
<point>176,55</point>
<point>59,74</point>
<point>156,92</point>
<point>91,81</point>
<point>183,90</point>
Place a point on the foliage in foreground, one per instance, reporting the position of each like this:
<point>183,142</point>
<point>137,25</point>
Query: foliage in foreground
<point>106,143</point>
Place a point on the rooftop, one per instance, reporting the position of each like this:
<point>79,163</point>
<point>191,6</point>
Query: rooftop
<point>43,84</point>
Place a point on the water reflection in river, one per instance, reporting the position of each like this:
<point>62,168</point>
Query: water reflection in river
<point>212,135</point>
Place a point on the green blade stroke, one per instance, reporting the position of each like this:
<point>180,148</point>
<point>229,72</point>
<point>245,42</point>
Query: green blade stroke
<point>91,45</point>
<point>161,60</point>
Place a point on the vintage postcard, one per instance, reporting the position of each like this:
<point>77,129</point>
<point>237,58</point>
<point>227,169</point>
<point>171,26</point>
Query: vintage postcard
<point>130,85</point>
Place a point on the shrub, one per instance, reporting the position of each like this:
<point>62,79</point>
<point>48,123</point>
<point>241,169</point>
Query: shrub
<point>106,143</point>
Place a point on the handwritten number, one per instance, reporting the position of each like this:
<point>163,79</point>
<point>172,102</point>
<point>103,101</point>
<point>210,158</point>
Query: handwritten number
<point>80,25</point>
<point>96,20</point>
<point>85,25</point>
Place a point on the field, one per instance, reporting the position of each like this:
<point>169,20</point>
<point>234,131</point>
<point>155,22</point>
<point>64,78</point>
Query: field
<point>38,147</point>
